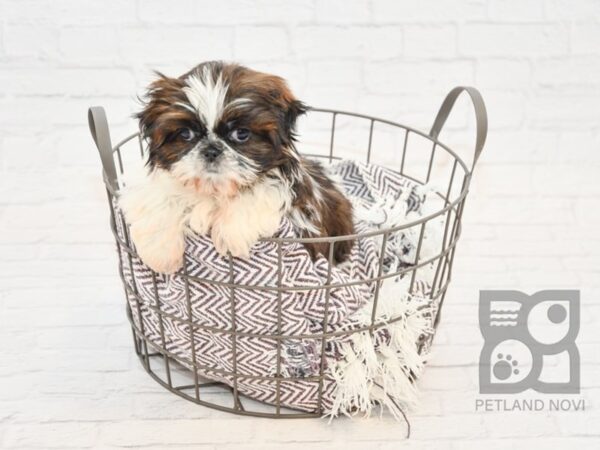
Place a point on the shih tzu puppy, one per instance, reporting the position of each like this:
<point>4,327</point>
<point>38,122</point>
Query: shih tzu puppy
<point>222,162</point>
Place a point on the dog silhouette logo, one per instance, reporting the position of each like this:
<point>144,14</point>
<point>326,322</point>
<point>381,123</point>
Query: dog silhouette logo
<point>529,342</point>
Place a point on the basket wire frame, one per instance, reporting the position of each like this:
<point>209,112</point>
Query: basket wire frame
<point>173,373</point>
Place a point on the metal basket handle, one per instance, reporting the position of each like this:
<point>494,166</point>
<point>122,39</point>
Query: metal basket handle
<point>480,117</point>
<point>101,135</point>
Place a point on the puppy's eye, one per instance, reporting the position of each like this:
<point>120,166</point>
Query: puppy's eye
<point>186,134</point>
<point>240,135</point>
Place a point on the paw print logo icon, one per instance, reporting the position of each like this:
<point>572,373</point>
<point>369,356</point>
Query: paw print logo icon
<point>505,367</point>
<point>529,342</point>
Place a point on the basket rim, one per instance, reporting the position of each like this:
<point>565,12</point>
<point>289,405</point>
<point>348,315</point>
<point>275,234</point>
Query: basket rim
<point>382,231</point>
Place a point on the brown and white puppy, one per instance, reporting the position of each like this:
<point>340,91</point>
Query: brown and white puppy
<point>222,161</point>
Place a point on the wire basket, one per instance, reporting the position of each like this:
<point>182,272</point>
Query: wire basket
<point>423,159</point>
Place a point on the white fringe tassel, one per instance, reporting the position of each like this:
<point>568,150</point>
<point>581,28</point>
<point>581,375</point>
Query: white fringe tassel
<point>367,376</point>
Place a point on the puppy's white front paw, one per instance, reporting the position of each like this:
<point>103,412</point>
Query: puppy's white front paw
<point>161,250</point>
<point>201,216</point>
<point>239,222</point>
<point>237,230</point>
<point>230,238</point>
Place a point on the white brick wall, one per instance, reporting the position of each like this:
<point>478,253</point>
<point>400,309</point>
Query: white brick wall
<point>68,377</point>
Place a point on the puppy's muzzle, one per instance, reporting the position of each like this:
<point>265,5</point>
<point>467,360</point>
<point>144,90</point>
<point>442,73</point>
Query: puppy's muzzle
<point>211,153</point>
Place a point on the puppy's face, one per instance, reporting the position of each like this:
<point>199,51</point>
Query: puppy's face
<point>220,126</point>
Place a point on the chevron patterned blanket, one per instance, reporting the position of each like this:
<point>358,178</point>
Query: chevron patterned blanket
<point>362,369</point>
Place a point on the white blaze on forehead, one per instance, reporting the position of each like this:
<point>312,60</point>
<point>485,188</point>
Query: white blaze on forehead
<point>207,96</point>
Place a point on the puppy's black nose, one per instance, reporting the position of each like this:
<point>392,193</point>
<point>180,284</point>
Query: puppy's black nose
<point>211,153</point>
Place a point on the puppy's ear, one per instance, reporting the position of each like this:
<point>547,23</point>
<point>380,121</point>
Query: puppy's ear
<point>158,99</point>
<point>147,101</point>
<point>295,109</point>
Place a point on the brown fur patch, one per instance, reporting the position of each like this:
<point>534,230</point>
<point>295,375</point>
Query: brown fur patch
<point>334,212</point>
<point>162,117</point>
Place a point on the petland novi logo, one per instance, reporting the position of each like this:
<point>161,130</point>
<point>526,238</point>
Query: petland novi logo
<point>529,344</point>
